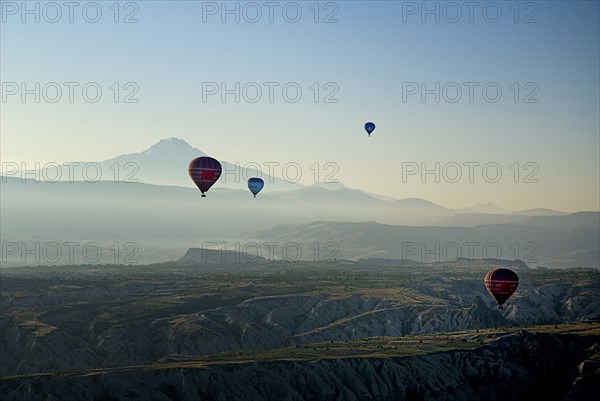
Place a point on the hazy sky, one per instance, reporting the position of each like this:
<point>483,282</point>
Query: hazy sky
<point>372,61</point>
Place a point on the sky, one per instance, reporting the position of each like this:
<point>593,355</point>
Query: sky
<point>523,132</point>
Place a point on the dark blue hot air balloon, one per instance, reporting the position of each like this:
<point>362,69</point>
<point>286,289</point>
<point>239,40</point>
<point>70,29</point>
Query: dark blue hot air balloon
<point>369,127</point>
<point>255,185</point>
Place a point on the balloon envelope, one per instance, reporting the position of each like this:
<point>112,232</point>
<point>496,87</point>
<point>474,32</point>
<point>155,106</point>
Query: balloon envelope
<point>501,284</point>
<point>369,127</point>
<point>204,171</point>
<point>255,185</point>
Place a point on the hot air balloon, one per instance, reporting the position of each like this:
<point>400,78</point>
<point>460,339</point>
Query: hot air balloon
<point>369,127</point>
<point>501,284</point>
<point>204,171</point>
<point>255,185</point>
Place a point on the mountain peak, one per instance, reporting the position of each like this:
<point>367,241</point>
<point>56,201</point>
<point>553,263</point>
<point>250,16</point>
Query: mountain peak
<point>328,185</point>
<point>487,208</point>
<point>171,146</point>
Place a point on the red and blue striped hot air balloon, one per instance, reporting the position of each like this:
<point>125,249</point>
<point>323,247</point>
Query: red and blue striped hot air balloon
<point>501,284</point>
<point>204,171</point>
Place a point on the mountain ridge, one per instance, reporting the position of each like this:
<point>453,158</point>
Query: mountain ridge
<point>165,163</point>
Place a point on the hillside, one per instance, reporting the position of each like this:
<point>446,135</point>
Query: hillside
<point>86,317</point>
<point>559,364</point>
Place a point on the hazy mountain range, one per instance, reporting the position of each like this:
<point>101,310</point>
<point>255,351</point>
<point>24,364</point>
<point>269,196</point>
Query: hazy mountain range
<point>165,163</point>
<point>166,220</point>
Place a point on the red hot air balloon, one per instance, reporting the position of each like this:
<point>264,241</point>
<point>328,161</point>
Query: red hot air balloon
<point>501,284</point>
<point>204,171</point>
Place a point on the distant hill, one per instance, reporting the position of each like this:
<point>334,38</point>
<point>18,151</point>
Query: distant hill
<point>484,208</point>
<point>477,219</point>
<point>539,212</point>
<point>362,240</point>
<point>218,255</point>
<point>516,264</point>
<point>387,262</point>
<point>544,219</point>
<point>571,221</point>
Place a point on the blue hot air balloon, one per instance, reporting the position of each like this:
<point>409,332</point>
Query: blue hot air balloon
<point>369,127</point>
<point>255,185</point>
